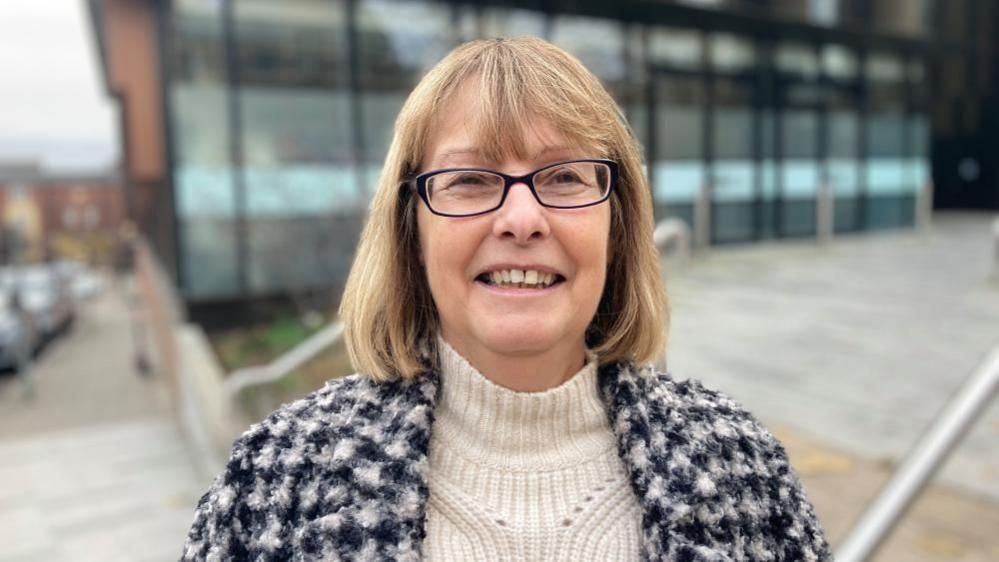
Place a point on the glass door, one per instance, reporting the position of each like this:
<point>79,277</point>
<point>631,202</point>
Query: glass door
<point>843,162</point>
<point>889,197</point>
<point>842,135</point>
<point>676,143</point>
<point>734,193</point>
<point>797,101</point>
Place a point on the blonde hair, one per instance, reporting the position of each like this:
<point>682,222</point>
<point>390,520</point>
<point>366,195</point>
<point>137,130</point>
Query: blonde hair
<point>388,313</point>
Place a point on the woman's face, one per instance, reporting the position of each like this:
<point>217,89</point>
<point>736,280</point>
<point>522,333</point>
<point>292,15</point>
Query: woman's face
<point>484,320</point>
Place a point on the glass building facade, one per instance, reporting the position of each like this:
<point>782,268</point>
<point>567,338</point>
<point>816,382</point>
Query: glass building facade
<point>281,113</point>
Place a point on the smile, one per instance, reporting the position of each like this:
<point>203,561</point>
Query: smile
<point>520,279</point>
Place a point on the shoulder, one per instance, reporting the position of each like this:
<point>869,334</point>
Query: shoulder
<point>341,406</point>
<point>227,517</point>
<point>661,398</point>
<point>338,398</point>
<point>704,458</point>
<point>715,430</point>
<point>271,482</point>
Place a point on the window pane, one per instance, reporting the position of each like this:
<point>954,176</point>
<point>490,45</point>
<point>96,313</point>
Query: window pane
<point>511,22</point>
<point>733,178</point>
<point>821,12</point>
<point>731,52</point>
<point>733,141</point>
<point>203,175</point>
<point>885,125</point>
<point>885,68</point>
<point>598,43</point>
<point>795,59</point>
<point>399,41</point>
<point>800,174</point>
<point>298,149</point>
<point>903,17</point>
<point>844,162</point>
<point>675,47</point>
<point>678,162</point>
<point>917,169</point>
<point>839,62</point>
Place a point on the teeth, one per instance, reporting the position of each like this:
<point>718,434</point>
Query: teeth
<point>521,278</point>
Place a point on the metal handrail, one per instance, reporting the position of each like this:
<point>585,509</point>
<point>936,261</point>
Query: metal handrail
<point>672,232</point>
<point>919,466</point>
<point>291,360</point>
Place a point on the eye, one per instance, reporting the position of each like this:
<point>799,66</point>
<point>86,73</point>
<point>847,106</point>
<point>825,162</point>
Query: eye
<point>465,184</point>
<point>566,176</point>
<point>467,179</point>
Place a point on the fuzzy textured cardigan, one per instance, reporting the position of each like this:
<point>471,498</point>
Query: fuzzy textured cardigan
<point>342,475</point>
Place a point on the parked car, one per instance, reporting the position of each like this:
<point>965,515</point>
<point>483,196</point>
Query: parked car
<point>87,285</point>
<point>18,338</point>
<point>84,283</point>
<point>44,295</point>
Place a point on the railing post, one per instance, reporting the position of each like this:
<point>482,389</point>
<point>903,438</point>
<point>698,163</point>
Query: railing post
<point>924,208</point>
<point>702,218</point>
<point>672,233</point>
<point>824,213</point>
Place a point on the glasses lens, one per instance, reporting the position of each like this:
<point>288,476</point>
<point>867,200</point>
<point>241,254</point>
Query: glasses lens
<point>464,192</point>
<point>573,184</point>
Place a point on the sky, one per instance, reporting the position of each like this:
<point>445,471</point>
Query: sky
<point>54,110</point>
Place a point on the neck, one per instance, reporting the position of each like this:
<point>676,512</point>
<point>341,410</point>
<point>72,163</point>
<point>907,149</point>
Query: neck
<point>527,372</point>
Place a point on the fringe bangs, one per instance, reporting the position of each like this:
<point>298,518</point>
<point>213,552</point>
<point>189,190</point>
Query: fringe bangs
<point>515,87</point>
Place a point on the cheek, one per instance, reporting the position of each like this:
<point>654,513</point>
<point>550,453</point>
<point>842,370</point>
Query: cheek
<point>430,255</point>
<point>598,239</point>
<point>427,248</point>
<point>444,254</point>
<point>590,248</point>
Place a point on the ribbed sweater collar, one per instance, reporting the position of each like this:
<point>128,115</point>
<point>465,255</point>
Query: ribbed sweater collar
<point>503,428</point>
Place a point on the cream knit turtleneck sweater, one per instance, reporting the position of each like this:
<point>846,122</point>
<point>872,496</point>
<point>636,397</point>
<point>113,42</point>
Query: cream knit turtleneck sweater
<point>526,475</point>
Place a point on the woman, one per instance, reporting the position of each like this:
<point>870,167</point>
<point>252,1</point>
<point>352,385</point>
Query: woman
<point>504,296</point>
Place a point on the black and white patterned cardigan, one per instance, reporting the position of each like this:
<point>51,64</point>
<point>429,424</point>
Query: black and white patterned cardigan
<point>342,475</point>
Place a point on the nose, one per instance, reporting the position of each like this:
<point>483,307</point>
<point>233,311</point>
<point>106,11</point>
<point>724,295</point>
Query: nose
<point>521,219</point>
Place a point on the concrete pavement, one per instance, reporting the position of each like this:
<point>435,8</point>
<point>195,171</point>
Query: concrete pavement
<point>95,468</point>
<point>849,351</point>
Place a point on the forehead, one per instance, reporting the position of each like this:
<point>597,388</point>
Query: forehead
<point>464,132</point>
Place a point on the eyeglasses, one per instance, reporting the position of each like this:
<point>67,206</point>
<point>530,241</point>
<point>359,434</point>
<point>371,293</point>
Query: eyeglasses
<point>466,192</point>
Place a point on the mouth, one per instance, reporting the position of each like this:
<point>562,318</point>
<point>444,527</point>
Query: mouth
<point>520,279</point>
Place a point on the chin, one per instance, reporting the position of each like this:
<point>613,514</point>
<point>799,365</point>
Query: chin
<point>520,341</point>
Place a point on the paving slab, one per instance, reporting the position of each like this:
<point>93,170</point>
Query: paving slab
<point>94,466</point>
<point>854,346</point>
<point>942,525</point>
<point>118,491</point>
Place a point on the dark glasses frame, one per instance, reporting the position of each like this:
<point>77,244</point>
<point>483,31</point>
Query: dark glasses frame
<point>419,184</point>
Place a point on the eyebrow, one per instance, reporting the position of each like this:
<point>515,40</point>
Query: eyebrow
<point>463,151</point>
